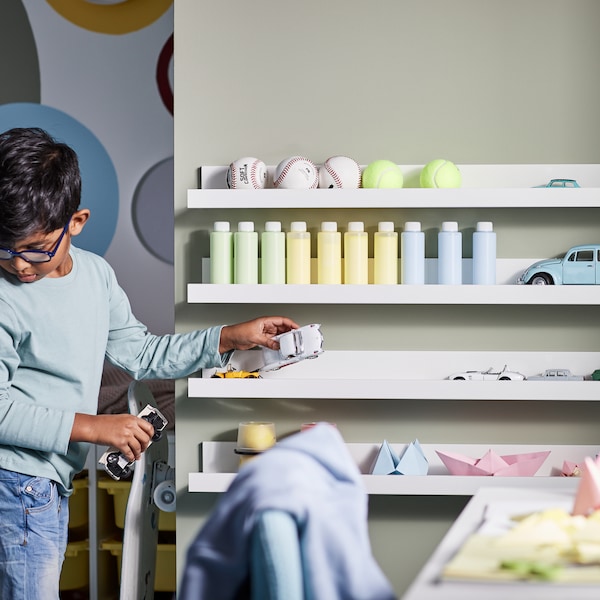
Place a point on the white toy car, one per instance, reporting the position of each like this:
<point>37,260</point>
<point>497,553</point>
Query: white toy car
<point>115,464</point>
<point>294,346</point>
<point>490,375</point>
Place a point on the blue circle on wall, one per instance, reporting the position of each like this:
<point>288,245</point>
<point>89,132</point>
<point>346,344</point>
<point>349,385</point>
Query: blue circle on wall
<point>100,188</point>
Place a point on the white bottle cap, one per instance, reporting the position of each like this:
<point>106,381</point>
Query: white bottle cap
<point>449,226</point>
<point>329,226</point>
<point>246,226</point>
<point>412,226</point>
<point>485,226</point>
<point>298,226</point>
<point>273,226</point>
<point>221,226</point>
<point>385,226</point>
<point>356,226</point>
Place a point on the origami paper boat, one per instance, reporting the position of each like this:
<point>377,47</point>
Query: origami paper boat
<point>511,465</point>
<point>412,461</point>
<point>571,469</point>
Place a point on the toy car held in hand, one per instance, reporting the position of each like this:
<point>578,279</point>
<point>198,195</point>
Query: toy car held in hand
<point>115,464</point>
<point>294,346</point>
<point>579,266</point>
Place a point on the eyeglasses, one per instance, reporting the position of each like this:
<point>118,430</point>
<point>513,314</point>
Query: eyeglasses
<point>34,256</point>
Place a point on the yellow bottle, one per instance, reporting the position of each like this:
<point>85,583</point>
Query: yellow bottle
<point>298,253</point>
<point>329,254</point>
<point>356,257</point>
<point>385,254</point>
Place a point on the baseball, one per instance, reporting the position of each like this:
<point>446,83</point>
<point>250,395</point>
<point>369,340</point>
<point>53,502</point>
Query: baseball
<point>247,173</point>
<point>296,172</point>
<point>339,172</point>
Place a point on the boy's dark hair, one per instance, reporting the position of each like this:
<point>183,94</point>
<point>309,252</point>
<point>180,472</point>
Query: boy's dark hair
<point>40,184</point>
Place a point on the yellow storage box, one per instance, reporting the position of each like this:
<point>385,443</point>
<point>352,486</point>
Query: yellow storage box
<point>76,568</point>
<point>78,503</point>
<point>119,490</point>
<point>165,579</point>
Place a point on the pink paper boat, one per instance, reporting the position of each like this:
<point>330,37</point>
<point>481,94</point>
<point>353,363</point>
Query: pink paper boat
<point>492,464</point>
<point>571,469</point>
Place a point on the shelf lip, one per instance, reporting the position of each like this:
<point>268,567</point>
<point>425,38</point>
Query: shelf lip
<point>467,294</point>
<point>410,485</point>
<point>394,389</point>
<point>395,198</point>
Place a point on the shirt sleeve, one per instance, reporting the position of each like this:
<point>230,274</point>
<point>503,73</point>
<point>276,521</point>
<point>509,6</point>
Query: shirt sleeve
<point>147,356</point>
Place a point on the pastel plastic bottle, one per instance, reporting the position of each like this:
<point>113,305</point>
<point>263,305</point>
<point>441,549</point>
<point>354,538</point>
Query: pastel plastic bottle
<point>221,253</point>
<point>329,254</point>
<point>450,254</point>
<point>298,253</point>
<point>412,254</point>
<point>385,254</point>
<point>484,254</point>
<point>245,253</point>
<point>272,254</point>
<point>356,254</point>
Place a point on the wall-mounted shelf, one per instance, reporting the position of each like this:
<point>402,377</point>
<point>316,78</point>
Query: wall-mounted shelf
<point>394,294</point>
<point>220,464</point>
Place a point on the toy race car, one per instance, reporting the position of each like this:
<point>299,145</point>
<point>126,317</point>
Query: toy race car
<point>294,346</point>
<point>115,464</point>
<point>232,374</point>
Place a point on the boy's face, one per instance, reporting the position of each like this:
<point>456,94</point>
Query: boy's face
<point>59,265</point>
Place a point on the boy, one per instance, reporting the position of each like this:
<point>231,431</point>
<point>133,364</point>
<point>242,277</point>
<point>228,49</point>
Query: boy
<point>61,313</point>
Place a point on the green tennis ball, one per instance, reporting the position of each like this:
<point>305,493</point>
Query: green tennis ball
<point>382,174</point>
<point>440,174</point>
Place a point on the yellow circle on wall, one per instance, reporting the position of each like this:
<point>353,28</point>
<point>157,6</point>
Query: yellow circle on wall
<point>124,17</point>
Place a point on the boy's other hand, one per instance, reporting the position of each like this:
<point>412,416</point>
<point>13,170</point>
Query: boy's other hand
<point>257,332</point>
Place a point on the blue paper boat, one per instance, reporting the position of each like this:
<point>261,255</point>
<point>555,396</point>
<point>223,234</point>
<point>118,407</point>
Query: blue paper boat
<point>412,461</point>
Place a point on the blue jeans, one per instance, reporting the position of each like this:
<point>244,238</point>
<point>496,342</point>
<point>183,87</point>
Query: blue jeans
<point>34,521</point>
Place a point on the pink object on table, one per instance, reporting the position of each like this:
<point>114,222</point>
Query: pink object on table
<point>587,498</point>
<point>510,465</point>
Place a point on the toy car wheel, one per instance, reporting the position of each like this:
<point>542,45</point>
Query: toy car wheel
<point>458,379</point>
<point>112,458</point>
<point>541,279</point>
<point>504,378</point>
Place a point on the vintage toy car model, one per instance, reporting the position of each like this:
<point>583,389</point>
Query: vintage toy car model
<point>294,346</point>
<point>232,374</point>
<point>560,183</point>
<point>556,375</point>
<point>115,464</point>
<point>490,375</point>
<point>579,266</point>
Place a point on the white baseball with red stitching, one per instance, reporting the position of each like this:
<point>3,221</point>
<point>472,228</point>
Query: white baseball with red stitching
<point>297,173</point>
<point>247,173</point>
<point>340,172</point>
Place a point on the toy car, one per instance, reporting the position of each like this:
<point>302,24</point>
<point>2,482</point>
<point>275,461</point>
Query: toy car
<point>556,375</point>
<point>490,375</point>
<point>579,266</point>
<point>560,183</point>
<point>231,374</point>
<point>115,464</point>
<point>294,346</point>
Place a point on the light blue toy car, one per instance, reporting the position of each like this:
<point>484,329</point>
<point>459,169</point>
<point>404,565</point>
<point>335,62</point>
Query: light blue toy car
<point>560,183</point>
<point>579,266</point>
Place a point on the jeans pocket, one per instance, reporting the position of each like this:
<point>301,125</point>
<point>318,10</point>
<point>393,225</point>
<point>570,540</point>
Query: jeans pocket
<point>38,494</point>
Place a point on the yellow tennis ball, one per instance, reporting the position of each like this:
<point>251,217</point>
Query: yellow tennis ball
<point>440,174</point>
<point>382,174</point>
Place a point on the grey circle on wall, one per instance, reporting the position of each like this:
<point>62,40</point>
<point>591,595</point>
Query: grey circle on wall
<point>153,211</point>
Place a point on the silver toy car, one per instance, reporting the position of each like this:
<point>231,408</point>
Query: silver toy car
<point>556,375</point>
<point>294,346</point>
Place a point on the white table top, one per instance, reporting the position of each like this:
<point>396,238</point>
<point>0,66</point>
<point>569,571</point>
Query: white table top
<point>428,586</point>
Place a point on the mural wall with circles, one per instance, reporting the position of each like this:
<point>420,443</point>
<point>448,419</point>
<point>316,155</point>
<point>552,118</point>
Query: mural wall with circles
<point>97,74</point>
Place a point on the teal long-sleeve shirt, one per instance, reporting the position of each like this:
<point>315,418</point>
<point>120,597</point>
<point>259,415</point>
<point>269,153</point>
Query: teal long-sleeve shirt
<point>54,336</point>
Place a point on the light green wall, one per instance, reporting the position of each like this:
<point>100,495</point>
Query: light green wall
<point>470,80</point>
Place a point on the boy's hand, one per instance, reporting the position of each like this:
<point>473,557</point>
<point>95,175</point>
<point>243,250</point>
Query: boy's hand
<point>129,433</point>
<point>258,332</point>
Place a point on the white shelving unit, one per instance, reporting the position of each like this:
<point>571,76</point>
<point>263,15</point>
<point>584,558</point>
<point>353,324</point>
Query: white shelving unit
<point>398,376</point>
<point>220,463</point>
